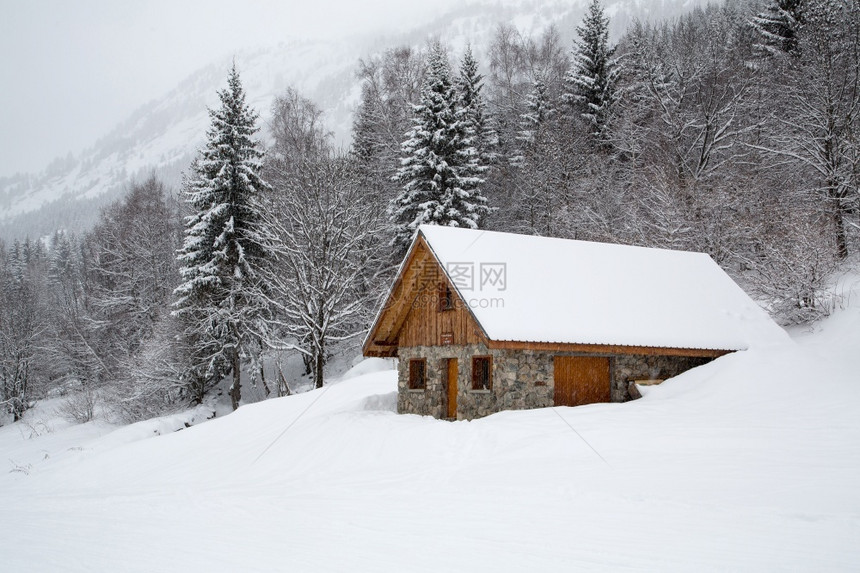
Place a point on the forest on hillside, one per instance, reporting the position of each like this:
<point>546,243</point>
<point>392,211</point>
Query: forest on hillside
<point>728,130</point>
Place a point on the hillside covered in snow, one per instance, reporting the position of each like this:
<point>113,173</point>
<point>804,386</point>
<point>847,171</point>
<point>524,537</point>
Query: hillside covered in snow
<point>749,463</point>
<point>666,215</point>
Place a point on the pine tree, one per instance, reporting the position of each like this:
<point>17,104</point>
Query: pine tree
<point>591,81</point>
<point>779,24</point>
<point>538,110</point>
<point>365,147</point>
<point>470,85</point>
<point>222,300</point>
<point>439,170</point>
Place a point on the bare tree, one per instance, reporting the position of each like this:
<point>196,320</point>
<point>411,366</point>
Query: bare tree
<point>72,351</point>
<point>817,108</point>
<point>689,86</point>
<point>132,270</point>
<point>328,251</point>
<point>298,129</point>
<point>22,325</point>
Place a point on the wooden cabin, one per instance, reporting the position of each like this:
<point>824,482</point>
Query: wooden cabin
<point>485,321</point>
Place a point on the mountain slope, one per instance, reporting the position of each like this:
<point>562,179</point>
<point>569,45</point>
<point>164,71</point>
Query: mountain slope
<point>162,135</point>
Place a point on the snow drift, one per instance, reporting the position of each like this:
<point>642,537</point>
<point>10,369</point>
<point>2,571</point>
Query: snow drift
<point>748,463</point>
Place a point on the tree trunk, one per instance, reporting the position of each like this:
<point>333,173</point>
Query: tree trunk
<point>236,387</point>
<point>283,387</point>
<point>307,359</point>
<point>263,380</point>
<point>841,237</point>
<point>319,367</point>
<point>196,387</point>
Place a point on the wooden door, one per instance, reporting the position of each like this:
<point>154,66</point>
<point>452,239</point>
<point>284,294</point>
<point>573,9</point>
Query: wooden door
<point>581,380</point>
<point>452,388</point>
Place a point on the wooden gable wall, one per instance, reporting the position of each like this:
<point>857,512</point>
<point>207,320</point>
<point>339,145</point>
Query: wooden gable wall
<point>427,325</point>
<point>412,317</point>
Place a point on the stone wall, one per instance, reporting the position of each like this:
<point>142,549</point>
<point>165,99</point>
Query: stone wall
<point>522,379</point>
<point>626,367</point>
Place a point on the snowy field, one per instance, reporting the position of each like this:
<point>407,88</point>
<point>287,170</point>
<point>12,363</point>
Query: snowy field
<point>751,463</point>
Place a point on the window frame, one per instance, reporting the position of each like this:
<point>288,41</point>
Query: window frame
<point>413,374</point>
<point>446,297</point>
<point>475,382</point>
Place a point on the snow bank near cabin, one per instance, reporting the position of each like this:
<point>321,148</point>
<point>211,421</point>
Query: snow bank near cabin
<point>369,366</point>
<point>748,463</point>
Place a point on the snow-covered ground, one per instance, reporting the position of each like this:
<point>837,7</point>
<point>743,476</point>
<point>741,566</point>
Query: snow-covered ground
<point>749,463</point>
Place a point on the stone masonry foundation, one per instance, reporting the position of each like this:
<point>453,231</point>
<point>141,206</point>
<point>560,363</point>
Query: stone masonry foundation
<point>522,379</point>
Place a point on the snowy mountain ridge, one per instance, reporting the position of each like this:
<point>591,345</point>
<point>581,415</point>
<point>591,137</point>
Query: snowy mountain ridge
<point>162,135</point>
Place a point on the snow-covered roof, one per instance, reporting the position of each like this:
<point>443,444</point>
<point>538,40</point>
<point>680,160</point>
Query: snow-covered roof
<point>542,289</point>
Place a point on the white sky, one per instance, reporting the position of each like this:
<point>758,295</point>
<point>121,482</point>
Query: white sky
<point>72,69</point>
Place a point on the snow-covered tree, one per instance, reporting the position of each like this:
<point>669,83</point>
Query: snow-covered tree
<point>329,233</point>
<point>535,179</point>
<point>390,87</point>
<point>516,61</point>
<point>440,171</point>
<point>131,270</point>
<point>156,377</point>
<point>328,250</point>
<point>815,111</point>
<point>298,130</point>
<point>470,86</point>
<point>779,24</point>
<point>538,110</point>
<point>73,354</point>
<point>590,84</point>
<point>131,274</point>
<point>222,298</point>
<point>691,79</point>
<point>22,324</point>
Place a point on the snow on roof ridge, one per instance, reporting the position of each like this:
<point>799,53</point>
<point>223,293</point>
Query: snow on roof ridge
<point>589,291</point>
<point>422,228</point>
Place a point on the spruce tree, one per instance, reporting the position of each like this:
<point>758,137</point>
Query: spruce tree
<point>590,83</point>
<point>470,85</point>
<point>369,152</point>
<point>222,298</point>
<point>779,24</point>
<point>538,110</point>
<point>440,171</point>
<point>365,147</point>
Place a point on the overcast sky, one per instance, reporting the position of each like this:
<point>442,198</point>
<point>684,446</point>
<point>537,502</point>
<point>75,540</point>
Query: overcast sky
<point>72,69</point>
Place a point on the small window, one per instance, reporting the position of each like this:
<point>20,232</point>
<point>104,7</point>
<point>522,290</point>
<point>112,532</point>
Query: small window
<point>446,298</point>
<point>482,373</point>
<point>417,374</point>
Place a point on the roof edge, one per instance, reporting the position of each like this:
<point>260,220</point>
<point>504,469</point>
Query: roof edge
<point>398,276</point>
<point>609,348</point>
